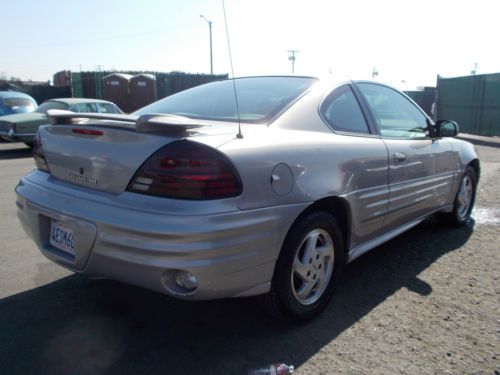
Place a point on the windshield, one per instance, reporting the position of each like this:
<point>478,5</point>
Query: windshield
<point>259,99</point>
<point>44,107</point>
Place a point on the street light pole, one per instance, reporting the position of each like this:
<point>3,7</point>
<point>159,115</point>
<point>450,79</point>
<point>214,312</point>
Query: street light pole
<point>210,30</point>
<point>292,58</point>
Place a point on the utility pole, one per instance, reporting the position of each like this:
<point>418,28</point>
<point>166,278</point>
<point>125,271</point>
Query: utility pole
<point>292,58</point>
<point>374,72</point>
<point>474,72</point>
<point>210,31</point>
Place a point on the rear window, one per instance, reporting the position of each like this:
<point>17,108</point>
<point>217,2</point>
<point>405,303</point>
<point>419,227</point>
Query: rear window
<point>260,99</point>
<point>85,107</point>
<point>44,107</point>
<point>12,103</point>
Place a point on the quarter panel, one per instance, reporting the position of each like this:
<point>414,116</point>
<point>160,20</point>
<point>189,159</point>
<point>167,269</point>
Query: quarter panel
<point>323,165</point>
<point>464,155</point>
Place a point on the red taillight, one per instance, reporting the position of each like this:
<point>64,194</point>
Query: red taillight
<point>40,161</point>
<point>187,170</point>
<point>88,132</point>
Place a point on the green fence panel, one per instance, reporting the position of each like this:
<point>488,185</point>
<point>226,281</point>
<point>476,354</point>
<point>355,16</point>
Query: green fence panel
<point>490,117</point>
<point>98,85</point>
<point>472,101</point>
<point>42,93</point>
<point>417,96</point>
<point>76,85</point>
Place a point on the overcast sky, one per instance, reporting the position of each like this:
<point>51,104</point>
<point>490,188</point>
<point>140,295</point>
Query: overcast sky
<point>410,41</point>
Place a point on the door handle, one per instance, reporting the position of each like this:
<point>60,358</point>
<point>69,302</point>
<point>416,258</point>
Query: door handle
<point>399,157</point>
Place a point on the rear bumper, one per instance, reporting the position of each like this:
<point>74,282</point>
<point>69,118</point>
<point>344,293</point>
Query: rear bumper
<point>231,253</point>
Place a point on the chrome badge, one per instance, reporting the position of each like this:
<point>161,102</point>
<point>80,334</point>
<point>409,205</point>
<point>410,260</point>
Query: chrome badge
<point>84,179</point>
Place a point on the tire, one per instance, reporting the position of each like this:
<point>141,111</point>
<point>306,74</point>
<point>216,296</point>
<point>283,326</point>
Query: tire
<point>464,200</point>
<point>307,269</point>
<point>29,144</point>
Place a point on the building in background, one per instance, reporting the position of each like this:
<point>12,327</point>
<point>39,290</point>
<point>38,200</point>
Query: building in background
<point>62,79</point>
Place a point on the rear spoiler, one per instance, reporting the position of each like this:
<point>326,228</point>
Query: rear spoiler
<point>154,122</point>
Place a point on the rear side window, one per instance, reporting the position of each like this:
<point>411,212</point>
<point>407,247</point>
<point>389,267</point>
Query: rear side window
<point>342,112</point>
<point>51,104</point>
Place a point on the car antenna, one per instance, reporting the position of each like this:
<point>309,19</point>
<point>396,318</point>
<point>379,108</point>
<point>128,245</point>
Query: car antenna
<point>240,134</point>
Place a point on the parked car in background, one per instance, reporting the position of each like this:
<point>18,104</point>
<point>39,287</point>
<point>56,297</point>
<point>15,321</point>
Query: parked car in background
<point>23,127</point>
<point>12,102</point>
<point>177,199</point>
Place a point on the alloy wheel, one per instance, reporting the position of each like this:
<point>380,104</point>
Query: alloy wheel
<point>312,266</point>
<point>465,197</point>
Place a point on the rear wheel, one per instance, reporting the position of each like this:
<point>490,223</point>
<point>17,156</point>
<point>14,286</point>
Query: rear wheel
<point>464,200</point>
<point>308,267</point>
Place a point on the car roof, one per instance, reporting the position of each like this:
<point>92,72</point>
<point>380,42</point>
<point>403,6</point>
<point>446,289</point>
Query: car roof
<point>273,76</point>
<point>14,94</point>
<point>71,101</point>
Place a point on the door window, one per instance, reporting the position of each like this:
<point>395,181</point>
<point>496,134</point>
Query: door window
<point>396,116</point>
<point>342,112</point>
<point>107,108</point>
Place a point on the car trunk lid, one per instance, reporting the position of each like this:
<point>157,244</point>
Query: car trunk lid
<point>104,151</point>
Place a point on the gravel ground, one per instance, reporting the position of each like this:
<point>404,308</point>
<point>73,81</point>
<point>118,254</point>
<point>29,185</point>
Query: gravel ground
<point>427,302</point>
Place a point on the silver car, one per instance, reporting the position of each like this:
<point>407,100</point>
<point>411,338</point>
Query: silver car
<point>206,195</point>
<point>23,126</point>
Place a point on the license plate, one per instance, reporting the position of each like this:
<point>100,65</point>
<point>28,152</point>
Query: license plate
<point>62,237</point>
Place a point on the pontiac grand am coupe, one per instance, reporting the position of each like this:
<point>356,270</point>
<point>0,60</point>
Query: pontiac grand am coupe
<point>195,199</point>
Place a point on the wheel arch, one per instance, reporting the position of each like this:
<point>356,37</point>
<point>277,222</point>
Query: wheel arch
<point>279,301</point>
<point>476,166</point>
<point>339,208</point>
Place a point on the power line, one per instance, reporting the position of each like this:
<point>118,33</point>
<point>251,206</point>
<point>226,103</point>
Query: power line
<point>102,39</point>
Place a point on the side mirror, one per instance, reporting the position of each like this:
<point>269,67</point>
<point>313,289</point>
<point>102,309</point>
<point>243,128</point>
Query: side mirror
<point>446,128</point>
